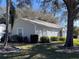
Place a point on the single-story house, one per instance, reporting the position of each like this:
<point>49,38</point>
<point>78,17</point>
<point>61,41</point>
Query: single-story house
<point>26,27</point>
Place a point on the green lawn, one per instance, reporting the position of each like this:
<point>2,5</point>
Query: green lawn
<point>43,51</point>
<point>75,42</point>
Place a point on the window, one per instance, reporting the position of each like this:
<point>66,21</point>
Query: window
<point>20,31</point>
<point>49,33</point>
<point>44,32</point>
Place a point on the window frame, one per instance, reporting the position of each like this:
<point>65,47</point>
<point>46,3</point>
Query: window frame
<point>21,30</point>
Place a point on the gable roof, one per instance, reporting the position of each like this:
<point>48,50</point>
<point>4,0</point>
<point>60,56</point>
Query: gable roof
<point>52,25</point>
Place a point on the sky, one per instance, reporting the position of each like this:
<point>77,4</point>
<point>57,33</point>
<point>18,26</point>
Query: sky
<point>3,3</point>
<point>36,6</point>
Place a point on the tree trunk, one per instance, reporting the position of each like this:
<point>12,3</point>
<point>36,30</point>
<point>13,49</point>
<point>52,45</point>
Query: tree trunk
<point>69,39</point>
<point>7,22</point>
<point>72,12</point>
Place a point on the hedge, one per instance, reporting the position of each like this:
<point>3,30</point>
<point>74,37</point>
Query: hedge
<point>44,39</point>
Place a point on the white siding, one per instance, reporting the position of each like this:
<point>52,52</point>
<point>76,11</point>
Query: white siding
<point>64,32</point>
<point>28,27</point>
<point>46,31</point>
<point>34,28</point>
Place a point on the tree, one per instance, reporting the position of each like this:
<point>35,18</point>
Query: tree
<point>25,12</point>
<point>24,3</point>
<point>72,9</point>
<point>53,6</point>
<point>10,14</point>
<point>7,21</point>
<point>72,13</point>
<point>24,8</point>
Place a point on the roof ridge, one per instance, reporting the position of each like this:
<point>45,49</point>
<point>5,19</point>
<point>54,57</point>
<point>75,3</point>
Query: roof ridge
<point>43,23</point>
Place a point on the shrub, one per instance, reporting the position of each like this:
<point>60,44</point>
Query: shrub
<point>34,38</point>
<point>16,38</point>
<point>44,39</point>
<point>25,39</point>
<point>53,38</point>
<point>61,38</point>
<point>74,36</point>
<point>3,38</point>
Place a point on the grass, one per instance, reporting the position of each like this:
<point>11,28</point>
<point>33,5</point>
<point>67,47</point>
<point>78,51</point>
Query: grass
<point>29,46</point>
<point>76,42</point>
<point>43,51</point>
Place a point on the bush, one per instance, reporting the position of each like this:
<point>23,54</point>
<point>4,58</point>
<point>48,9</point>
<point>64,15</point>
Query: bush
<point>34,38</point>
<point>61,38</point>
<point>44,39</point>
<point>25,39</point>
<point>16,38</point>
<point>53,38</point>
<point>3,38</point>
<point>74,36</point>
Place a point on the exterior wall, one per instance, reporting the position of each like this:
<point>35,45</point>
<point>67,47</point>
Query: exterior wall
<point>34,28</point>
<point>64,32</point>
<point>2,30</point>
<point>27,27</point>
<point>46,31</point>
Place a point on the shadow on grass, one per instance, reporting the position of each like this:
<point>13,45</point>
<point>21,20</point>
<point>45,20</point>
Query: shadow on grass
<point>48,52</point>
<point>43,51</point>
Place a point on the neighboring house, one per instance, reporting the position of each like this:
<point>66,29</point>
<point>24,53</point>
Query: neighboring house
<point>2,30</point>
<point>27,27</point>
